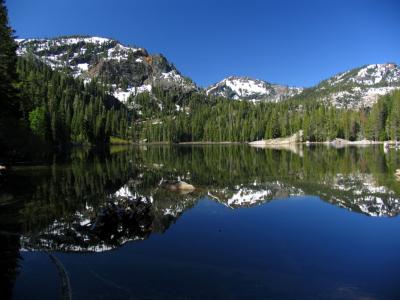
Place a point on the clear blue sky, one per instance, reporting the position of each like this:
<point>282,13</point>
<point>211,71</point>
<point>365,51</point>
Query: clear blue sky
<point>289,42</point>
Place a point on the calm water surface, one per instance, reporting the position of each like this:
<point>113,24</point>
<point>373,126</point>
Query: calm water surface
<point>296,223</point>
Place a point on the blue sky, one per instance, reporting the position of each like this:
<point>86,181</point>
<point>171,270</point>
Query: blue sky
<point>290,42</point>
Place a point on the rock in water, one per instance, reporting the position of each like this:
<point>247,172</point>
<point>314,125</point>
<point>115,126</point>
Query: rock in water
<point>293,139</point>
<point>177,186</point>
<point>397,174</point>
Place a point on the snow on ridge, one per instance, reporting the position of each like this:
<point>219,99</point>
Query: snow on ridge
<point>45,44</point>
<point>96,39</point>
<point>83,67</point>
<point>254,90</point>
<point>245,88</point>
<point>123,95</point>
<point>363,86</point>
<point>243,197</point>
<point>369,75</point>
<point>53,53</point>
<point>358,97</point>
<point>241,86</point>
<point>172,75</point>
<point>366,194</point>
<point>75,40</point>
<point>123,192</point>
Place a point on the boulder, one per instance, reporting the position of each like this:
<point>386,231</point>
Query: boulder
<point>177,186</point>
<point>293,139</point>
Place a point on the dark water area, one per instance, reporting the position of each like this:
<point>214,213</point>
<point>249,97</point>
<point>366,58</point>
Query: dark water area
<point>294,223</point>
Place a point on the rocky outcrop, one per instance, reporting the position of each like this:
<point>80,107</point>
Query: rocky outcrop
<point>353,89</point>
<point>177,186</point>
<point>339,143</point>
<point>127,70</point>
<point>131,70</point>
<point>293,139</point>
<point>357,88</point>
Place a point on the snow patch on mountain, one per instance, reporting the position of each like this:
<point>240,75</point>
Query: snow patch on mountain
<point>123,94</point>
<point>245,197</point>
<point>365,194</point>
<point>361,87</point>
<point>127,70</point>
<point>83,67</point>
<point>245,88</point>
<point>250,195</point>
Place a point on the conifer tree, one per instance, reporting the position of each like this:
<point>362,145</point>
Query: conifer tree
<point>8,59</point>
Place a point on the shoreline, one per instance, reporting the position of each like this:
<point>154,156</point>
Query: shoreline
<point>296,139</point>
<point>211,143</point>
<point>268,142</point>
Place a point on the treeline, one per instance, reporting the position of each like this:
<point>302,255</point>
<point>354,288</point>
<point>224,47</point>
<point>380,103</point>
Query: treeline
<point>166,101</point>
<point>62,110</point>
<point>43,109</point>
<point>240,121</point>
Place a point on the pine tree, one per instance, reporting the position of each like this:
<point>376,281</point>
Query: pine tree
<point>8,60</point>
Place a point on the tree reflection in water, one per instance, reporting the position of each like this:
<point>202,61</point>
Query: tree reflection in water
<point>97,202</point>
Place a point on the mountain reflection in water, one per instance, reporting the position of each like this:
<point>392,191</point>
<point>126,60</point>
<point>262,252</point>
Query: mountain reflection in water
<point>94,203</point>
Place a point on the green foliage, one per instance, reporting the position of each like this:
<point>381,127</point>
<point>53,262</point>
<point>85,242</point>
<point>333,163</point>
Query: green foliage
<point>8,93</point>
<point>201,118</point>
<point>61,110</point>
<point>118,141</point>
<point>38,122</point>
<point>8,77</point>
<point>392,123</point>
<point>70,111</point>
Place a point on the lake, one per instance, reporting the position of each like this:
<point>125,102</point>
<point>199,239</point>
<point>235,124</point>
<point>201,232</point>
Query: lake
<point>295,223</point>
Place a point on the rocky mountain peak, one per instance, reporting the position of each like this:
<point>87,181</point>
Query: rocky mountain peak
<point>360,87</point>
<point>246,88</point>
<point>128,70</point>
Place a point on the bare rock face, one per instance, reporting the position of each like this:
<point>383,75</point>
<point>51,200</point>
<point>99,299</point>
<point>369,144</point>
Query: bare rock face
<point>127,70</point>
<point>293,139</point>
<point>131,70</point>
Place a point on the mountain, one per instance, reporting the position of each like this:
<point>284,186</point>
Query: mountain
<point>357,88</point>
<point>131,70</point>
<point>245,88</point>
<point>127,70</point>
<point>353,89</point>
<point>133,215</point>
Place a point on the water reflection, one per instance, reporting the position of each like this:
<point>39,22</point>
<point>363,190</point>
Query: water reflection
<point>96,202</point>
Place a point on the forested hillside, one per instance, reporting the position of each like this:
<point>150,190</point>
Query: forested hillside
<point>241,121</point>
<point>62,110</point>
<point>64,91</point>
<point>43,110</point>
<point>14,134</point>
